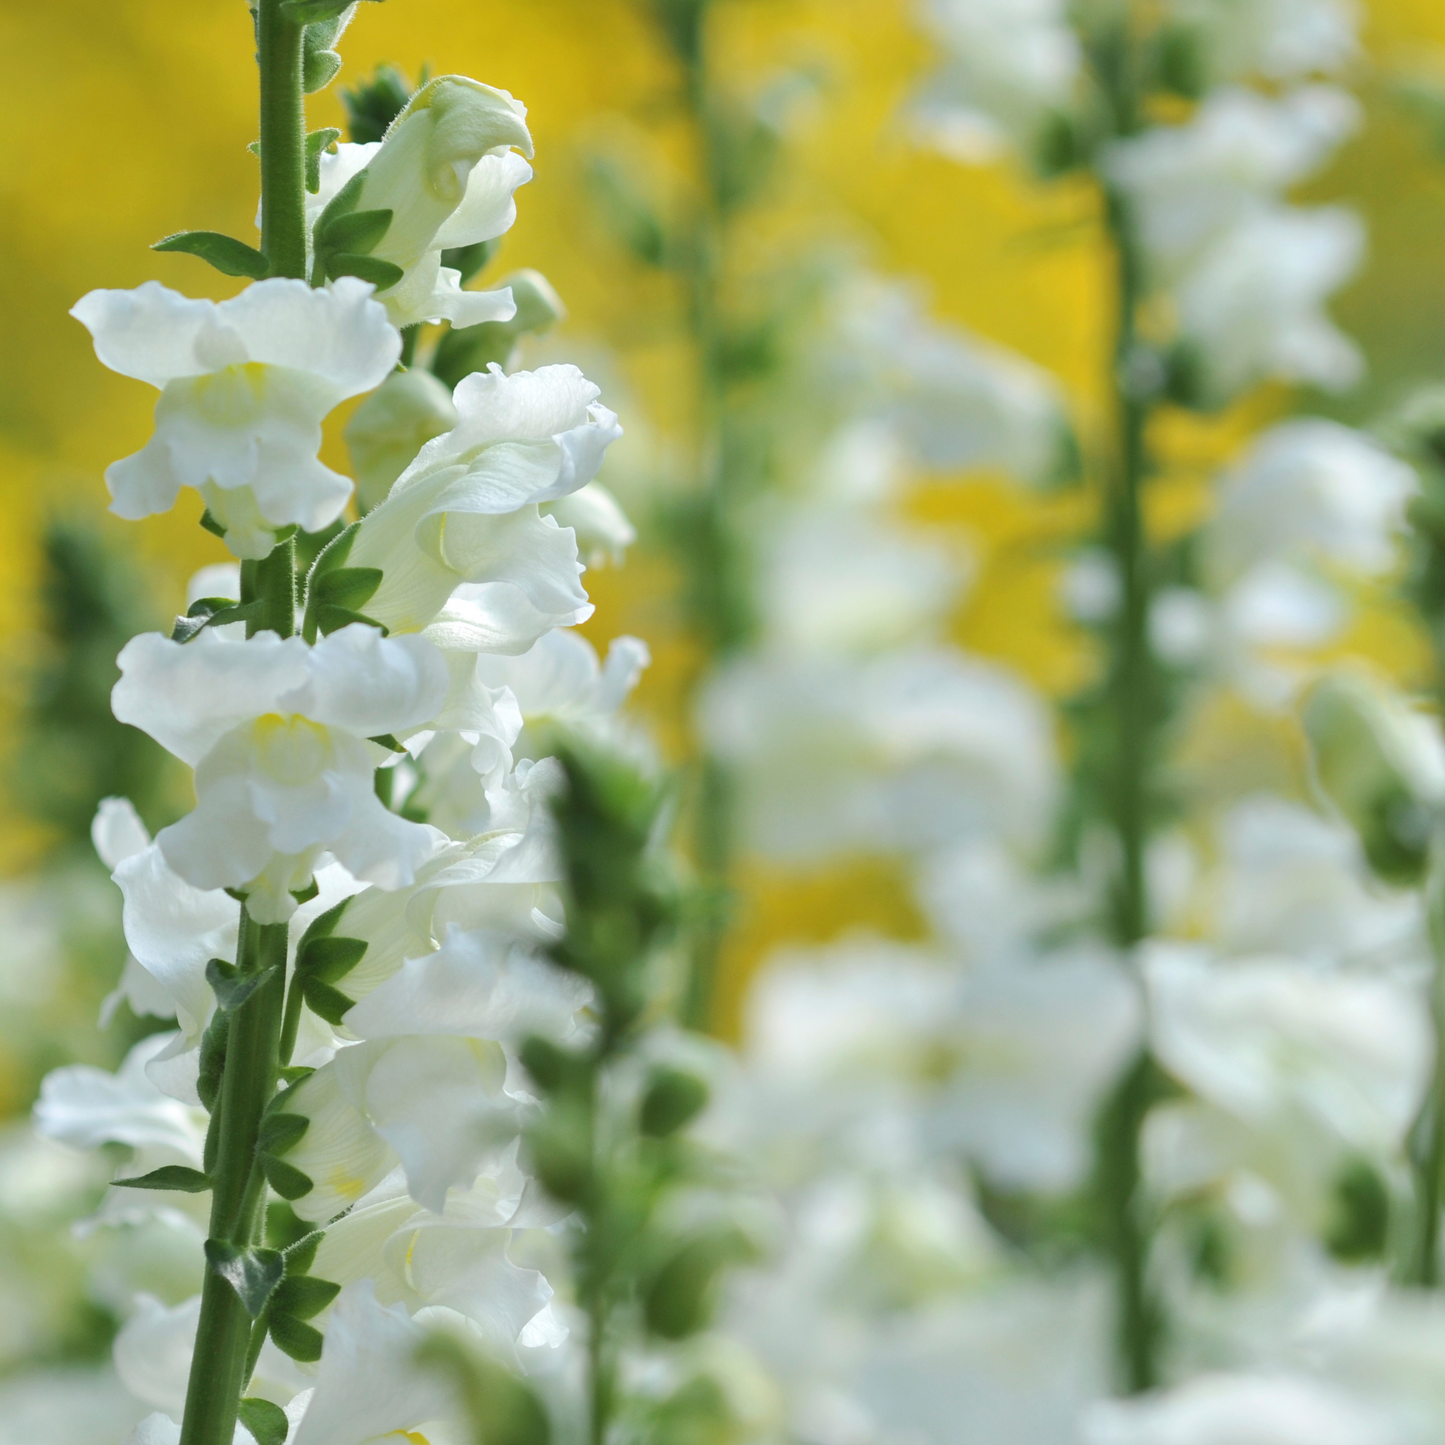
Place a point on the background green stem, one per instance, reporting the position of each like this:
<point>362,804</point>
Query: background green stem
<point>1427,1138</point>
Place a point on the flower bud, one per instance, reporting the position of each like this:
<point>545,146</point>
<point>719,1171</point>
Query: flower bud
<point>390,427</point>
<point>1382,765</point>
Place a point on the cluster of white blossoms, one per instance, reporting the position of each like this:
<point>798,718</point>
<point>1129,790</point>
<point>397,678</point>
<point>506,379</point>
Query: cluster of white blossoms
<point>931,1111</point>
<point>371,840</point>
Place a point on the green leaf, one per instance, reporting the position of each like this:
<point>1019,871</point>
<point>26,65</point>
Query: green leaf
<point>347,586</point>
<point>169,1176</point>
<point>329,1003</point>
<point>306,894</point>
<point>330,959</point>
<point>357,232</point>
<point>280,1132</point>
<point>331,619</point>
<point>210,612</point>
<point>266,1421</point>
<point>333,554</point>
<point>382,274</point>
<point>230,988</point>
<point>316,142</point>
<point>252,1273</point>
<point>228,255</point>
<point>304,1296</point>
<point>291,1337</point>
<point>213,1057</point>
<point>211,524</point>
<point>387,740</point>
<point>286,1179</point>
<point>342,203</point>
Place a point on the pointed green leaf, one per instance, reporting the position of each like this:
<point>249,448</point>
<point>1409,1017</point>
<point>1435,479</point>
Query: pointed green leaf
<point>266,1421</point>
<point>323,925</point>
<point>252,1273</point>
<point>210,612</point>
<point>280,1132</point>
<point>347,586</point>
<point>304,1296</point>
<point>382,274</point>
<point>169,1176</point>
<point>228,255</point>
<point>330,959</point>
<point>329,1003</point>
<point>286,1179</point>
<point>388,740</point>
<point>357,232</point>
<point>301,1342</point>
<point>230,988</point>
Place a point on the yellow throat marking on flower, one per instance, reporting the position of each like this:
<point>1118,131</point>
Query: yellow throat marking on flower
<point>234,396</point>
<point>290,749</point>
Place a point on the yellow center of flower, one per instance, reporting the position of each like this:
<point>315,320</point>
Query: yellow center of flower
<point>292,749</point>
<point>235,396</point>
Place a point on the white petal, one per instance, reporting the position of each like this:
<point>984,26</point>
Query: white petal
<point>149,333</point>
<point>369,684</point>
<point>117,831</point>
<point>489,208</point>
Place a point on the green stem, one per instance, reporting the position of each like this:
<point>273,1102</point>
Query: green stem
<point>283,140</point>
<point>223,1335</point>
<point>1132,692</point>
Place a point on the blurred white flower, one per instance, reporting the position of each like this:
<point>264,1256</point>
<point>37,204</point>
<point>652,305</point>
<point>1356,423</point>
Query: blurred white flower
<point>1275,39</point>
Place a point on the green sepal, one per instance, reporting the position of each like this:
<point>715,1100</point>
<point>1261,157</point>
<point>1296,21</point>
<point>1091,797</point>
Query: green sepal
<point>329,959</point>
<point>211,525</point>
<point>341,204</point>
<point>331,619</point>
<point>388,741</point>
<point>323,925</point>
<point>286,1179</point>
<point>252,1272</point>
<point>326,1002</point>
<point>210,612</point>
<point>347,586</point>
<point>357,233</point>
<point>169,1176</point>
<point>331,558</point>
<point>280,1132</point>
<point>309,12</point>
<point>213,1057</point>
<point>230,988</point>
<point>301,1253</point>
<point>302,1342</point>
<point>382,274</point>
<point>316,142</point>
<point>304,1296</point>
<point>306,894</point>
<point>295,1073</point>
<point>287,1231</point>
<point>318,69</point>
<point>228,255</point>
<point>265,1420</point>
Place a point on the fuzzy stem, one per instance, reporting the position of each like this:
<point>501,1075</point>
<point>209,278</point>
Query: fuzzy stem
<point>283,140</point>
<point>1427,1138</point>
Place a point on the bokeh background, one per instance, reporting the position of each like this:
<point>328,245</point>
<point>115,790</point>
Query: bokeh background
<point>130,121</point>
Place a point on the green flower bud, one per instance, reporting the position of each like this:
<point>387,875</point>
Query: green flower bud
<point>391,426</point>
<point>1380,762</point>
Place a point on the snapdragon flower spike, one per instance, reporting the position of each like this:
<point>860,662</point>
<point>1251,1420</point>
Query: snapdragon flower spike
<point>444,174</point>
<point>460,540</point>
<point>278,734</point>
<point>244,386</point>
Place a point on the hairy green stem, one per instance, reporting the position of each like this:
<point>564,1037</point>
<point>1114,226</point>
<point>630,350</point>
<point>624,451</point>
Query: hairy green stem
<point>283,140</point>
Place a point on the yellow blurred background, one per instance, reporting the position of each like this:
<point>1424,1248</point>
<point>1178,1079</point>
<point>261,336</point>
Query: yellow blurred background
<point>128,121</point>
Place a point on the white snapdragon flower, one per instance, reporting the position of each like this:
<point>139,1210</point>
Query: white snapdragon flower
<point>1190,183</point>
<point>1275,39</point>
<point>602,528</point>
<point>1310,489</point>
<point>910,749</point>
<point>955,400</point>
<point>277,731</point>
<point>446,170</point>
<point>369,1387</point>
<point>1008,65</point>
<point>460,538</point>
<point>1269,1409</point>
<point>244,386</point>
<point>1253,307</point>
